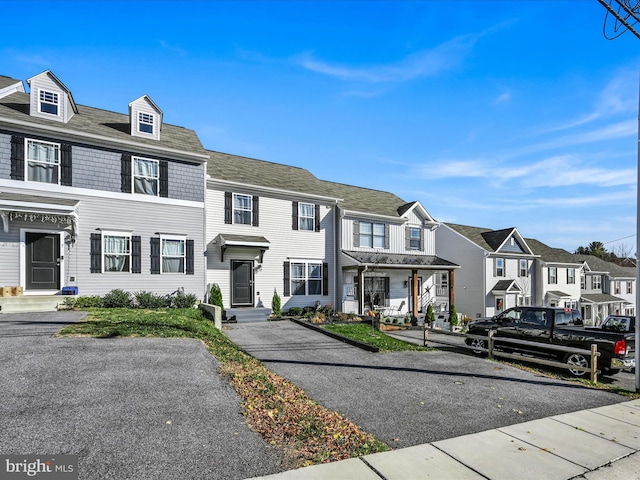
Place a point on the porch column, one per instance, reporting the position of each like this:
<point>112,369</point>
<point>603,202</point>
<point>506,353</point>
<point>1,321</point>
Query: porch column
<point>360,290</point>
<point>414,293</point>
<point>452,295</point>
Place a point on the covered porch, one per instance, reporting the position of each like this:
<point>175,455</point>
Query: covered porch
<point>396,284</point>
<point>596,307</point>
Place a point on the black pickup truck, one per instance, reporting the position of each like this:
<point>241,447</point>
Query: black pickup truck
<point>555,326</point>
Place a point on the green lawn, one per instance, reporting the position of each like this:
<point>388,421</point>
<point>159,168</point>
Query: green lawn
<point>362,332</point>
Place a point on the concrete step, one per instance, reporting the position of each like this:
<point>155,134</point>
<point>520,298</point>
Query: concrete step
<point>249,314</point>
<point>31,303</point>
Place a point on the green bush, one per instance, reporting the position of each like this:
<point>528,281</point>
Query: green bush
<point>117,299</point>
<point>215,296</point>
<point>453,316</point>
<point>294,312</point>
<point>150,300</point>
<point>276,304</point>
<point>80,303</point>
<point>430,317</point>
<point>183,300</point>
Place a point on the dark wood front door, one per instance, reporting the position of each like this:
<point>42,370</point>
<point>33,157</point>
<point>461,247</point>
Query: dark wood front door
<point>42,261</point>
<point>241,283</point>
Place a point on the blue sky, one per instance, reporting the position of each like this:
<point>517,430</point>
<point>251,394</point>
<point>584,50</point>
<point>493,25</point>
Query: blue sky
<point>492,113</point>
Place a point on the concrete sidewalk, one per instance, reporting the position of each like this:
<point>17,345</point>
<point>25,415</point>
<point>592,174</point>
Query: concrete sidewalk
<point>596,444</point>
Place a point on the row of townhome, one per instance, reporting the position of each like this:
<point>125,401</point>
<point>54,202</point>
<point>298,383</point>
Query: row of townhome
<point>501,269</point>
<point>95,200</point>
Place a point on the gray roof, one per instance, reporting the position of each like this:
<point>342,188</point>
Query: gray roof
<point>235,168</point>
<point>397,259</point>
<point>486,238</point>
<point>550,254</point>
<point>599,265</point>
<point>366,200</point>
<point>93,121</point>
<point>247,239</point>
<point>558,293</point>
<point>504,285</point>
<point>7,81</point>
<point>601,298</point>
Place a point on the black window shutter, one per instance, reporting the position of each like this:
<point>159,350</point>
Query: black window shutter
<point>386,236</point>
<point>422,246</point>
<point>317,212</point>
<point>325,279</point>
<point>164,178</point>
<point>407,238</point>
<point>255,214</point>
<point>96,253</point>
<point>228,210</point>
<point>125,173</point>
<point>66,175</point>
<point>190,263</point>
<point>155,255</point>
<point>136,254</point>
<point>17,157</point>
<point>294,215</point>
<point>287,276</point>
<point>356,233</point>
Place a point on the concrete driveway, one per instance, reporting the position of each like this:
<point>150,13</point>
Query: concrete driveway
<point>131,408</point>
<point>410,398</point>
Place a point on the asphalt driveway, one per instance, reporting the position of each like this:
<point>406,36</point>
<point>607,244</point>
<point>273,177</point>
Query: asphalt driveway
<point>410,398</point>
<point>131,408</point>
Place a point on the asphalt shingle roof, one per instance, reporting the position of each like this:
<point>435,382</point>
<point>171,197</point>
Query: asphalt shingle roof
<point>103,123</point>
<point>7,81</point>
<point>397,259</point>
<point>486,238</point>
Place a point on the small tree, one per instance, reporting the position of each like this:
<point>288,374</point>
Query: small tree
<point>453,316</point>
<point>430,318</point>
<point>276,304</point>
<point>215,297</point>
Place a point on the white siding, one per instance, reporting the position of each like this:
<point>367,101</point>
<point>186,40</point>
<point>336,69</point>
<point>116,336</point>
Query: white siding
<point>284,244</point>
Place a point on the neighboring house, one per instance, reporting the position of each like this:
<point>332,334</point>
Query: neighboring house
<point>388,257</point>
<point>96,199</point>
<point>496,268</point>
<point>270,227</point>
<point>607,289</point>
<point>558,275</point>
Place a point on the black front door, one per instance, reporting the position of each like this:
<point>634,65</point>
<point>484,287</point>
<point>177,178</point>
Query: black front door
<point>42,261</point>
<point>241,283</point>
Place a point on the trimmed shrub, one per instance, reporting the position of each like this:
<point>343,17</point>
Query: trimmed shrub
<point>183,300</point>
<point>215,296</point>
<point>294,312</point>
<point>430,317</point>
<point>150,300</point>
<point>117,299</point>
<point>453,316</point>
<point>276,304</point>
<point>94,301</point>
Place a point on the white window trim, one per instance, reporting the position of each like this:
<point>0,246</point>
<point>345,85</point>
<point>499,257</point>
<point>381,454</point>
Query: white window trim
<point>234,208</point>
<point>114,233</point>
<point>145,118</point>
<point>182,238</point>
<point>58,95</point>
<point>596,282</point>
<point>306,277</point>
<point>504,267</point>
<point>300,217</point>
<point>373,235</point>
<point>526,268</point>
<point>134,176</point>
<point>419,230</point>
<point>554,277</point>
<point>571,279</point>
<point>27,160</point>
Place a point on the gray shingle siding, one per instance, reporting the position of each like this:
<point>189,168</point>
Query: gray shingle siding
<point>5,156</point>
<point>96,169</point>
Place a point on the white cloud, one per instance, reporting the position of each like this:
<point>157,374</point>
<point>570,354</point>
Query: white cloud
<point>504,98</point>
<point>420,64</point>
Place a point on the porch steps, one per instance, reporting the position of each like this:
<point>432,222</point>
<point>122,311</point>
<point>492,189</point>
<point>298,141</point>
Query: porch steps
<point>31,303</point>
<point>249,314</point>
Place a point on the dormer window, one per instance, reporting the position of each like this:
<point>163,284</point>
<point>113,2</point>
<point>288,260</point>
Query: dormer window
<point>145,122</point>
<point>49,102</point>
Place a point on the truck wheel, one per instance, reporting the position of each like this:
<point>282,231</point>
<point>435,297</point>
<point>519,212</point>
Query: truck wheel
<point>578,360</point>
<point>476,343</point>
